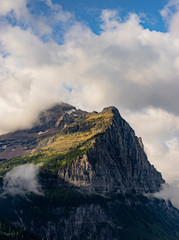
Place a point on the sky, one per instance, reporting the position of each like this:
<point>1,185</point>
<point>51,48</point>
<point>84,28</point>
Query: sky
<point>94,54</point>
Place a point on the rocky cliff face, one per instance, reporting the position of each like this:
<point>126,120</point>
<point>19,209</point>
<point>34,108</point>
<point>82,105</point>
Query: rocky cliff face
<point>116,163</point>
<point>93,152</point>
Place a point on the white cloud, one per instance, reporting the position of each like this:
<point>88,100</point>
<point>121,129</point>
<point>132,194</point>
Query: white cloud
<point>110,16</point>
<point>169,193</point>
<point>125,65</point>
<point>170,13</point>
<point>160,133</point>
<point>18,6</point>
<point>170,9</point>
<point>22,180</point>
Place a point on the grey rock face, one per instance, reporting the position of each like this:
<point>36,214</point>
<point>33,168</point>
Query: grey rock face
<point>116,163</point>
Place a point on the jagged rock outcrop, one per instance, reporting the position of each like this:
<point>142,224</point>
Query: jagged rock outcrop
<point>94,152</point>
<point>116,163</point>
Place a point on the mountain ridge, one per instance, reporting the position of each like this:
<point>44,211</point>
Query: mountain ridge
<point>94,176</point>
<point>95,152</point>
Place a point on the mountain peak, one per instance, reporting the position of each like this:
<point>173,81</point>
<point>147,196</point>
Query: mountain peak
<point>113,109</point>
<point>94,152</point>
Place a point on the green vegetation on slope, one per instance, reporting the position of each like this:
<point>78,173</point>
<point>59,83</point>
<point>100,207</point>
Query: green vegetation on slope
<point>62,148</point>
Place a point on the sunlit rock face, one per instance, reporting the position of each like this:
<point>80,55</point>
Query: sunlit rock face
<point>94,152</point>
<point>116,162</point>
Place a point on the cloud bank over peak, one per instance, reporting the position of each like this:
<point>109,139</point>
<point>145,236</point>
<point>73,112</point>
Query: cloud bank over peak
<point>52,57</point>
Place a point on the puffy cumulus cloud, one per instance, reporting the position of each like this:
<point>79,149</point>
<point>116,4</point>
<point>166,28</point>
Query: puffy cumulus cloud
<point>110,16</point>
<point>22,180</point>
<point>21,93</point>
<point>124,65</point>
<point>48,17</point>
<point>169,193</point>
<point>41,16</point>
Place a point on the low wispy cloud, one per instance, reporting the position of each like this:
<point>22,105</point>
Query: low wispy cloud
<point>22,180</point>
<point>169,193</point>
